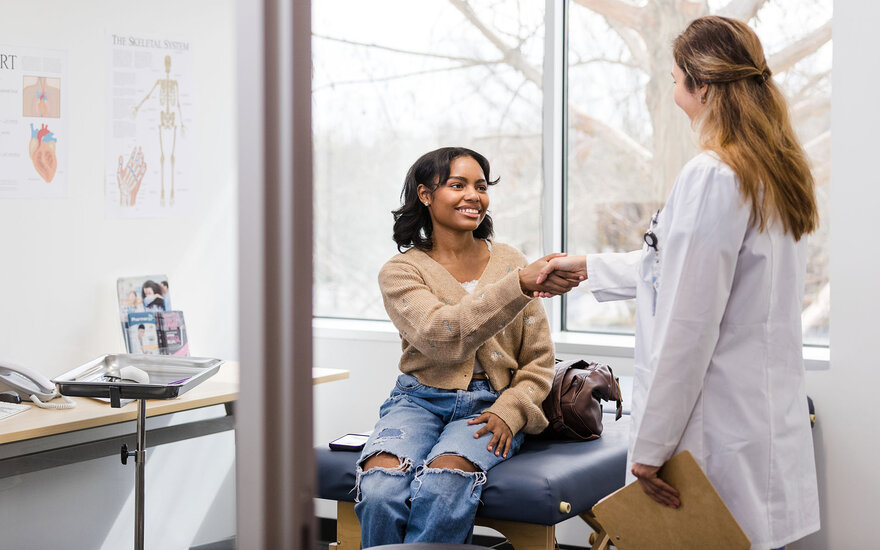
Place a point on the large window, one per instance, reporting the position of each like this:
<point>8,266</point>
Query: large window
<point>395,78</point>
<point>627,140</point>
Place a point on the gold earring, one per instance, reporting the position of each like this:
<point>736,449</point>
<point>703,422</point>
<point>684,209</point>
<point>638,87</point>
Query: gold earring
<point>703,99</point>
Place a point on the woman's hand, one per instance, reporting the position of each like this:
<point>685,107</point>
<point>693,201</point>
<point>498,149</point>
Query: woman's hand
<point>655,487</point>
<point>555,283</point>
<point>502,437</point>
<point>568,267</point>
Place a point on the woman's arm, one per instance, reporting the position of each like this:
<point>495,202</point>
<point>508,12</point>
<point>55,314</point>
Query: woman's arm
<point>520,404</point>
<point>425,321</point>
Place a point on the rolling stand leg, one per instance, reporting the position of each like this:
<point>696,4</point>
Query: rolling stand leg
<point>140,462</point>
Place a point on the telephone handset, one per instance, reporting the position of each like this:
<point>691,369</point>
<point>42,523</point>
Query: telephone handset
<point>31,385</point>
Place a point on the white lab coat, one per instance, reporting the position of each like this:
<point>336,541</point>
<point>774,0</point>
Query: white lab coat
<point>718,359</point>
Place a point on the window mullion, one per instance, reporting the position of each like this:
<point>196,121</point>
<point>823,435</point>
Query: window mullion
<point>552,203</point>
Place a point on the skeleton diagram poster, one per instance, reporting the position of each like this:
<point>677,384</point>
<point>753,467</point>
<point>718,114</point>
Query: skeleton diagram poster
<point>33,123</point>
<point>149,151</point>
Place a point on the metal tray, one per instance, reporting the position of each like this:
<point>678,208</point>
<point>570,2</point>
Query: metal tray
<point>169,376</point>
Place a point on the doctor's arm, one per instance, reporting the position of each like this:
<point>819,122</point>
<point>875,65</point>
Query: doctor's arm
<point>612,276</point>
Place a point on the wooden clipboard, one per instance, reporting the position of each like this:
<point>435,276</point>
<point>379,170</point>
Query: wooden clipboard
<point>635,521</point>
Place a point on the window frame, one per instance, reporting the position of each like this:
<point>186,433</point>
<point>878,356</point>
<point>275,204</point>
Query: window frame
<point>553,221</point>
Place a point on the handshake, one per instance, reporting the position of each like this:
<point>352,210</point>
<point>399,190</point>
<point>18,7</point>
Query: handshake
<point>553,275</point>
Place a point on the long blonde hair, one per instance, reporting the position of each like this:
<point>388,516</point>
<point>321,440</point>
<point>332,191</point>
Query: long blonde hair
<point>745,121</point>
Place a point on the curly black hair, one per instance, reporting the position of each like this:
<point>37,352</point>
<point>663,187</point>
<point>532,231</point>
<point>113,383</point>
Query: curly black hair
<point>412,221</point>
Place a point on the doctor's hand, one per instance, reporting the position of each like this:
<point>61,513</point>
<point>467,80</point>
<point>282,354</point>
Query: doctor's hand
<point>502,437</point>
<point>568,267</point>
<point>548,286</point>
<point>655,487</point>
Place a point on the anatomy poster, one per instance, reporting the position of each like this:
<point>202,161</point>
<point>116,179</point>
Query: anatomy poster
<point>33,122</point>
<point>149,151</point>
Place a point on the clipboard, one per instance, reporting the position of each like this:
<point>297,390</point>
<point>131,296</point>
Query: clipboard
<point>633,520</point>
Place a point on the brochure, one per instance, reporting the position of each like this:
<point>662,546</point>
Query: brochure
<point>172,333</point>
<point>139,294</point>
<point>142,334</point>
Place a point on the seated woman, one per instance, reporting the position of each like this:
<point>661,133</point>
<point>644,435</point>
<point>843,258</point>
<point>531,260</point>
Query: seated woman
<point>477,357</point>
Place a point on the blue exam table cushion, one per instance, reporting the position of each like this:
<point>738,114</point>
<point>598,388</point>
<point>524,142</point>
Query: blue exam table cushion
<point>530,486</point>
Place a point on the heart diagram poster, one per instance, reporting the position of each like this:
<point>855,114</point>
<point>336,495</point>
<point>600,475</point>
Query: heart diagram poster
<point>149,151</point>
<point>33,123</point>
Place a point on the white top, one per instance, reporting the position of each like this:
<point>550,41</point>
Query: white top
<point>718,353</point>
<point>470,286</point>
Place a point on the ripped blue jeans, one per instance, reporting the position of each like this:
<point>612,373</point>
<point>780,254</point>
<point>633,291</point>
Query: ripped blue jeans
<point>415,503</point>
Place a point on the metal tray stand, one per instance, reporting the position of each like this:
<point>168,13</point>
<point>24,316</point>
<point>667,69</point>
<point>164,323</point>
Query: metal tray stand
<point>169,376</point>
<point>141,377</point>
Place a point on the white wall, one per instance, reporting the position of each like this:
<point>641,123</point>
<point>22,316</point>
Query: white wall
<point>847,432</point>
<point>59,260</point>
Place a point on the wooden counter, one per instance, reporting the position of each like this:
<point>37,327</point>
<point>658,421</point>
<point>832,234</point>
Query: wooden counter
<point>89,413</point>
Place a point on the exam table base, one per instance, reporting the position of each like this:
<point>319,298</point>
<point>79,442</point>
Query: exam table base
<point>521,535</point>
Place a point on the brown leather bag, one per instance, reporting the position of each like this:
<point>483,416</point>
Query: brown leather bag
<point>574,407</point>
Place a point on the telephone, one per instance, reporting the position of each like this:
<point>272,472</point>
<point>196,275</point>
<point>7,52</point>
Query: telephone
<point>31,385</point>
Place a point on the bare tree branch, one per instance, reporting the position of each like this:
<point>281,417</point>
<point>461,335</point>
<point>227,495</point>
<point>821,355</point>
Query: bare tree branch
<point>635,43</point>
<point>509,103</point>
<point>582,62</point>
<point>809,88</point>
<point>819,146</point>
<point>744,10</point>
<point>372,80</point>
<point>787,57</point>
<point>692,9</point>
<point>581,121</point>
<point>623,12</point>
<point>595,127</point>
<point>396,50</point>
<point>511,55</point>
<point>821,175</point>
<point>810,107</point>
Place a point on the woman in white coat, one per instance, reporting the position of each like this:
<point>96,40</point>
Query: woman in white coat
<point>718,287</point>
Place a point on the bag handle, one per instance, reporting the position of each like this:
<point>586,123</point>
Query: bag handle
<point>562,367</point>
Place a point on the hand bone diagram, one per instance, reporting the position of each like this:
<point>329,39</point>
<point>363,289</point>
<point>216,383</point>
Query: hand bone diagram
<point>130,175</point>
<point>42,151</point>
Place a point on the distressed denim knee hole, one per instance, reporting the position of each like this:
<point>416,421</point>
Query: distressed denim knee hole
<point>479,478</point>
<point>400,470</point>
<point>431,460</point>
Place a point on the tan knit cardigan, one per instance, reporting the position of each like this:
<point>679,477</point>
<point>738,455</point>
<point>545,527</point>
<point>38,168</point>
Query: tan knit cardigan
<point>443,327</point>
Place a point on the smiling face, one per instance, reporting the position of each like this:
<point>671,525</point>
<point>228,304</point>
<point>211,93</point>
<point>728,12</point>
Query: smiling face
<point>459,203</point>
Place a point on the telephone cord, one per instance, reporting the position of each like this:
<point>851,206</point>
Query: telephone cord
<point>69,403</point>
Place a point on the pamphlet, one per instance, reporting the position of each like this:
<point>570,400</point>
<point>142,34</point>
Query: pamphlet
<point>140,294</point>
<point>142,334</point>
<point>172,333</point>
